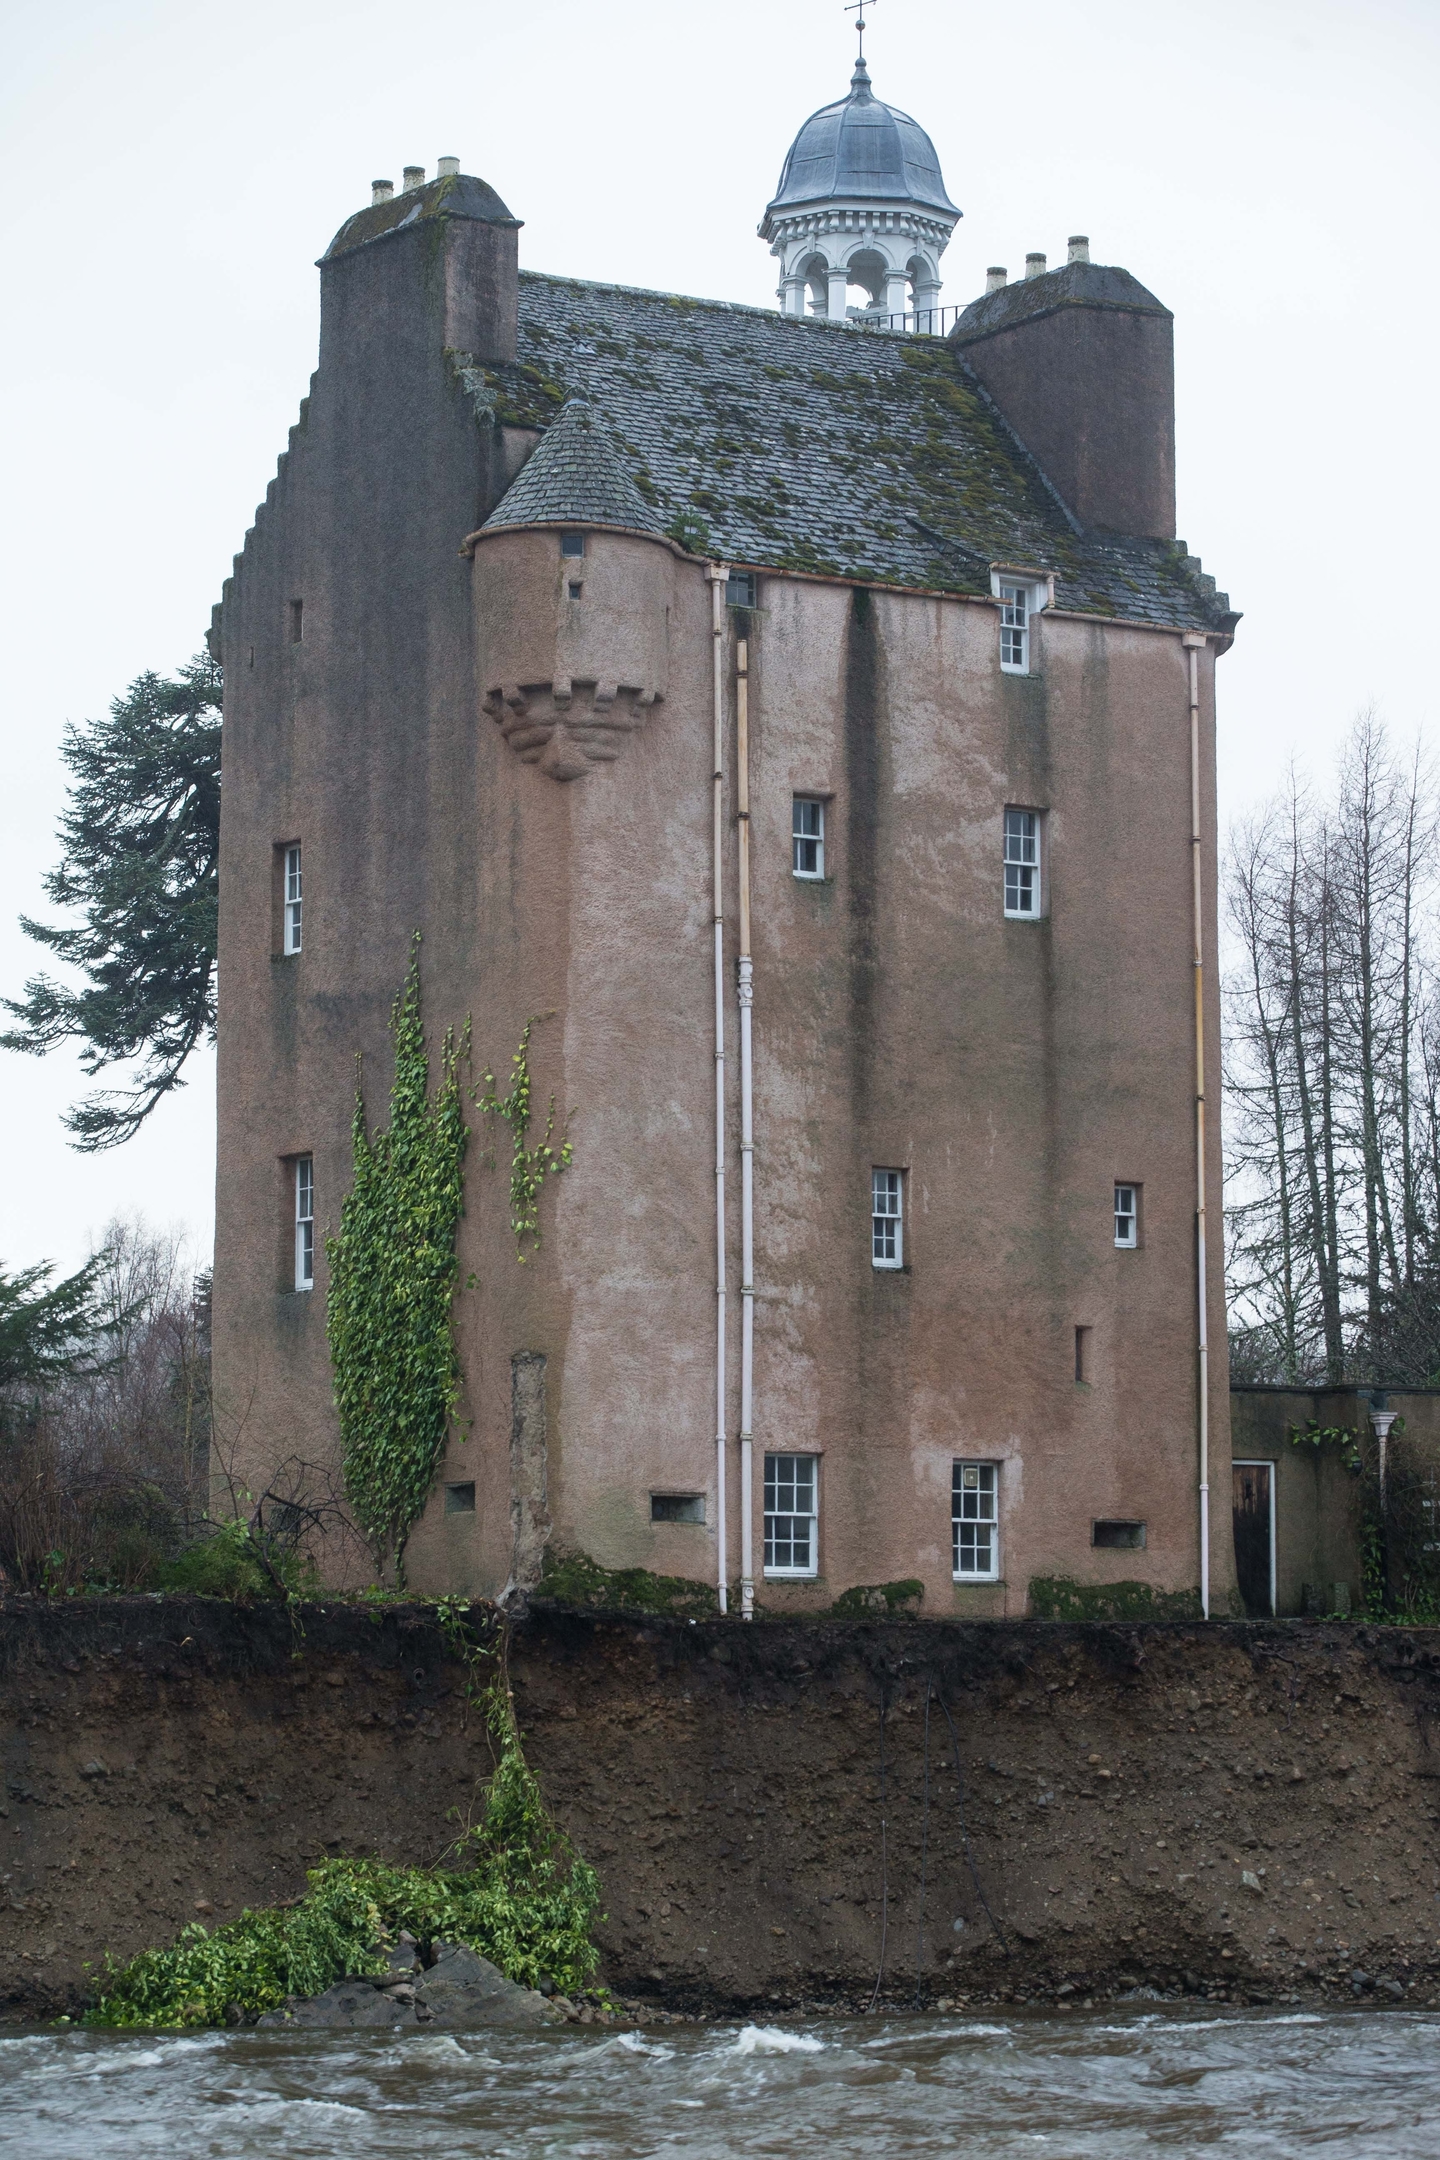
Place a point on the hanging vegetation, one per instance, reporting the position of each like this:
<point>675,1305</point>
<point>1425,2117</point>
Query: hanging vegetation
<point>516,1891</point>
<point>529,1167</point>
<point>392,1277</point>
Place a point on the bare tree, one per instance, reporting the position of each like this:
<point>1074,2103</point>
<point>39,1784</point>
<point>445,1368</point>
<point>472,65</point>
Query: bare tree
<point>1331,1060</point>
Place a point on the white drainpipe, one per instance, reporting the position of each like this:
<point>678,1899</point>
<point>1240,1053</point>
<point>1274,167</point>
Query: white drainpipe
<point>718,577</point>
<point>1194,646</point>
<point>747,1137</point>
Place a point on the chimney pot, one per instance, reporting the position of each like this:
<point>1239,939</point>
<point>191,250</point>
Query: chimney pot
<point>381,190</point>
<point>448,169</point>
<point>414,178</point>
<point>1079,247</point>
<point>1034,266</point>
<point>995,277</point>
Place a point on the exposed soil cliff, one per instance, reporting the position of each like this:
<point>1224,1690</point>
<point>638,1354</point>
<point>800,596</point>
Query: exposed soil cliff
<point>1247,1809</point>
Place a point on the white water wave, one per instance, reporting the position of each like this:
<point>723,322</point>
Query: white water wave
<point>635,2043</point>
<point>770,2040</point>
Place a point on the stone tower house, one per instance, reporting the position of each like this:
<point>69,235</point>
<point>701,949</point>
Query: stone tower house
<point>785,713</point>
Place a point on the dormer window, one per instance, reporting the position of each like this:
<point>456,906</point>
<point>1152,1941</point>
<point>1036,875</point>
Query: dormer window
<point>572,543</point>
<point>1021,595</point>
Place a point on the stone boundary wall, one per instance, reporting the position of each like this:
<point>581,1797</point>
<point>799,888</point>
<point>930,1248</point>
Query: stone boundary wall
<point>1244,1810</point>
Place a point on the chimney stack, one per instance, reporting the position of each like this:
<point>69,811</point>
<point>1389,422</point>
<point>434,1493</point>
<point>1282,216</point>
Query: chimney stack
<point>414,178</point>
<point>448,169</point>
<point>381,191</point>
<point>995,277</point>
<point>1082,365</point>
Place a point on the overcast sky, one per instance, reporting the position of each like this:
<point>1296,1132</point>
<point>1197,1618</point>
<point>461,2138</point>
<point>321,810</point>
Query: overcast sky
<point>1266,167</point>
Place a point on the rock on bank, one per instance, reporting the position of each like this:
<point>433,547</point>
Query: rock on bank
<point>1243,1809</point>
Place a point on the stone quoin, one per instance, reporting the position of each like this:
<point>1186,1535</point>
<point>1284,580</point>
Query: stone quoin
<point>543,555</point>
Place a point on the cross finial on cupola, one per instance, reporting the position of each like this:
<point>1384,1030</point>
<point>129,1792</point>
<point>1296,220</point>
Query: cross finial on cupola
<point>857,9</point>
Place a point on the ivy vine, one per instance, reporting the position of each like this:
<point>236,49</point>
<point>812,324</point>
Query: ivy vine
<point>392,1277</point>
<point>529,1167</point>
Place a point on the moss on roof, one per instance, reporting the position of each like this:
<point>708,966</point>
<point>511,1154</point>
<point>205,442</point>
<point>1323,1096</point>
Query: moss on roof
<point>809,445</point>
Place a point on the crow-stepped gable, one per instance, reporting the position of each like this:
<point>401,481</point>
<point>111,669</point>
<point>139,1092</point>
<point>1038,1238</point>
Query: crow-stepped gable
<point>871,960</point>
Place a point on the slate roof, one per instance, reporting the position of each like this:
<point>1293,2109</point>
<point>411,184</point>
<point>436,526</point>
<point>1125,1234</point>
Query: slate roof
<point>576,475</point>
<point>792,444</point>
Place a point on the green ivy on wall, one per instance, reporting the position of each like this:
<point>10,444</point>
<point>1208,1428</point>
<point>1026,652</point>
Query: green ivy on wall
<point>392,1277</point>
<point>529,1167</point>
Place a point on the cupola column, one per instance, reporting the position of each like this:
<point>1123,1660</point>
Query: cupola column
<point>839,285</point>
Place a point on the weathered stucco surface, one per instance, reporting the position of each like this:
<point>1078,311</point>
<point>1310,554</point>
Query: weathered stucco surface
<point>523,775</point>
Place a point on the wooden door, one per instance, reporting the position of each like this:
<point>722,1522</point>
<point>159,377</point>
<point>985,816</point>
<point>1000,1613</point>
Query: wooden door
<point>1252,1504</point>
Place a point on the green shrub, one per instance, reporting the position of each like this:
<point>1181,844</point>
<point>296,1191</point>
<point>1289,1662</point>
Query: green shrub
<point>226,1563</point>
<point>518,1893</point>
<point>576,1579</point>
<point>1057,1597</point>
<point>887,1597</point>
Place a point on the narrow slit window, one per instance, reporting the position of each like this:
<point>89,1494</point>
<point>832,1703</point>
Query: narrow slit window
<point>304,1222</point>
<point>1127,1216</point>
<point>1082,1355</point>
<point>293,901</point>
<point>807,837</point>
<point>297,621</point>
<point>1015,627</point>
<point>1022,864</point>
<point>1118,1536</point>
<point>974,1521</point>
<point>576,588</point>
<point>791,1515</point>
<point>887,1218</point>
<point>677,1507</point>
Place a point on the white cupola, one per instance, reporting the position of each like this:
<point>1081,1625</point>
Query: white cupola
<point>861,202</point>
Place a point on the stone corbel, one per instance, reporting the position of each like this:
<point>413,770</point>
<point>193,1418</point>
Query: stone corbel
<point>567,727</point>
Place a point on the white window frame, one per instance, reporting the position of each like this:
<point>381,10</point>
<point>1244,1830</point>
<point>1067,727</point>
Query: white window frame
<point>975,1505</point>
<point>292,902</point>
<point>1022,851</point>
<point>807,847</point>
<point>783,1479</point>
<point>887,1218</point>
<point>1021,593</point>
<point>1128,1215</point>
<point>304,1222</point>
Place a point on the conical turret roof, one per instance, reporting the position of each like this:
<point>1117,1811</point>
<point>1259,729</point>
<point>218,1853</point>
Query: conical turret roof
<point>576,475</point>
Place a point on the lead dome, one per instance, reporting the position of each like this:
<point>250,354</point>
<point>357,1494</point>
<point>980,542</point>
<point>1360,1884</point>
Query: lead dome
<point>861,202</point>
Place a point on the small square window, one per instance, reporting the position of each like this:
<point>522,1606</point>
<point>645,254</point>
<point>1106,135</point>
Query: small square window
<point>304,1222</point>
<point>1118,1536</point>
<point>575,588</point>
<point>572,543</point>
<point>791,1515</point>
<point>807,836</point>
<point>1022,864</point>
<point>677,1507</point>
<point>975,1521</point>
<point>460,1499</point>
<point>740,588</point>
<point>887,1218</point>
<point>292,902</point>
<point>1127,1216</point>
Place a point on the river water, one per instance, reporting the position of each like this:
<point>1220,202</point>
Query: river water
<point>1105,2084</point>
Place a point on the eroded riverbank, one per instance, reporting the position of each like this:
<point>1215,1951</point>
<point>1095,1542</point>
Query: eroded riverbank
<point>1243,1811</point>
